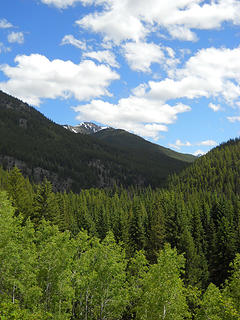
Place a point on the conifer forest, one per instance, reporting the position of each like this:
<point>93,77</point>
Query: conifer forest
<point>124,253</point>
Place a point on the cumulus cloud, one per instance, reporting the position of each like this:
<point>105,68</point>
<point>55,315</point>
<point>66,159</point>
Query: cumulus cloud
<point>179,144</point>
<point>36,77</point>
<point>4,24</point>
<point>209,143</point>
<point>204,75</point>
<point>182,33</point>
<point>140,55</point>
<point>234,119</point>
<point>134,20</point>
<point>214,107</point>
<point>138,113</point>
<point>117,24</point>
<point>70,39</point>
<point>104,56</point>
<point>16,37</point>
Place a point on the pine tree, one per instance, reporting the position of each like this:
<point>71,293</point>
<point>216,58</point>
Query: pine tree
<point>45,205</point>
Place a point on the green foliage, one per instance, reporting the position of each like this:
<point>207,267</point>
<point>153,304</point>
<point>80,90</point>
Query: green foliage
<point>163,293</point>
<point>136,272</point>
<point>55,257</point>
<point>17,257</point>
<point>100,280</point>
<point>216,306</point>
<point>20,192</point>
<point>12,311</point>
<point>232,285</point>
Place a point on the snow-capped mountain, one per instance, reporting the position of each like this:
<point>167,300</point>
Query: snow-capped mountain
<point>84,128</point>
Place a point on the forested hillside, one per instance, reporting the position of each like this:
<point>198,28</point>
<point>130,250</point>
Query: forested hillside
<point>134,144</point>
<point>117,253</point>
<point>74,161</point>
<point>218,172</point>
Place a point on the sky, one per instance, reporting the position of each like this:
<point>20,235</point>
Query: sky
<point>168,71</point>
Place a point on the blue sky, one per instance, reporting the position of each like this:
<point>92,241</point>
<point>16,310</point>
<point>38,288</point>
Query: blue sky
<point>168,71</point>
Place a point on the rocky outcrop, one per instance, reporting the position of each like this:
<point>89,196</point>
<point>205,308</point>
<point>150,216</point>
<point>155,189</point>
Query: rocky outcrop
<point>36,174</point>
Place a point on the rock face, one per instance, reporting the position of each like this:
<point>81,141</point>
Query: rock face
<point>23,123</point>
<point>36,174</point>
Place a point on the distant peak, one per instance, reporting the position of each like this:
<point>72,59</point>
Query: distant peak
<point>85,128</point>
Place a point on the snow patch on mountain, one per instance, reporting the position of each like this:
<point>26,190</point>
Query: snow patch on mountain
<point>85,128</point>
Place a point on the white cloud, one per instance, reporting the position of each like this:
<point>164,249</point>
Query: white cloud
<point>116,24</point>
<point>204,75</point>
<point>3,48</point>
<point>35,77</point>
<point>63,4</point>
<point>170,52</point>
<point>178,144</point>
<point>140,90</point>
<point>182,33</point>
<point>214,107</point>
<point>140,55</point>
<point>135,19</point>
<point>104,56</point>
<point>137,113</point>
<point>16,37</point>
<point>69,39</point>
<point>209,143</point>
<point>233,119</point>
<point>4,24</point>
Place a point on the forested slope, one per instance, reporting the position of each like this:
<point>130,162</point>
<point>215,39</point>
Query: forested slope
<point>134,144</point>
<point>115,270</point>
<point>217,172</point>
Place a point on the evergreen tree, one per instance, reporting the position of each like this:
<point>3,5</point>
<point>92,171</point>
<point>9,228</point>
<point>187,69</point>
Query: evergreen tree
<point>136,231</point>
<point>45,205</point>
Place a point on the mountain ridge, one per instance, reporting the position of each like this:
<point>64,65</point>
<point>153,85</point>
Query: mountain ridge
<point>111,136</point>
<point>84,161</point>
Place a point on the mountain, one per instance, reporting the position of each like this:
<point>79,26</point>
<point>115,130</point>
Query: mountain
<point>127,141</point>
<point>42,148</point>
<point>134,144</point>
<point>84,128</point>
